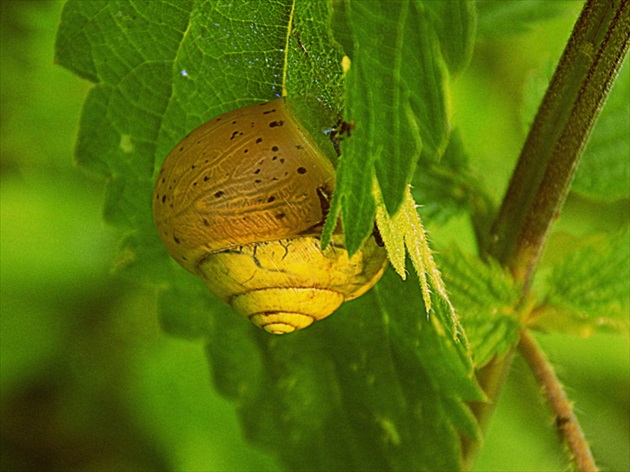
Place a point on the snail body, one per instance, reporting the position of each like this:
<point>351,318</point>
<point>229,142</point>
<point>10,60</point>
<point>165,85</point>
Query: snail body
<point>241,202</point>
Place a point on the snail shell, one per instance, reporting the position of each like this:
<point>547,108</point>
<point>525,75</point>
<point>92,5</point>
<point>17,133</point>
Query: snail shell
<point>241,202</point>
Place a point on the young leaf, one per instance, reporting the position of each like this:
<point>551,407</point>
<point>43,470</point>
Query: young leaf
<point>403,233</point>
<point>484,296</point>
<point>588,291</point>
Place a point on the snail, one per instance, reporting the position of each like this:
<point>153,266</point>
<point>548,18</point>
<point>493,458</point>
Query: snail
<point>241,202</point>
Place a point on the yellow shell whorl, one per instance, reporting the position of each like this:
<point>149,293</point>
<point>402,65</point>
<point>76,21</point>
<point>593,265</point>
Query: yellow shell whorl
<point>285,285</point>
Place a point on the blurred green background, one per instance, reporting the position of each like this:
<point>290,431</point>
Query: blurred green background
<point>89,382</point>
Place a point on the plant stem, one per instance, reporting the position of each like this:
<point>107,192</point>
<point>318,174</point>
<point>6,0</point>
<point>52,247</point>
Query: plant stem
<point>566,422</point>
<point>545,169</point>
<point>557,138</point>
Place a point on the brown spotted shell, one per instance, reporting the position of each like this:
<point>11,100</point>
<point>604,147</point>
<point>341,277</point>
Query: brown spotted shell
<point>250,175</point>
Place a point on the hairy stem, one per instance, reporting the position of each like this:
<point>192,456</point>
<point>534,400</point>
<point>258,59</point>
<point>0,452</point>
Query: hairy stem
<point>557,138</point>
<point>547,164</point>
<point>566,422</point>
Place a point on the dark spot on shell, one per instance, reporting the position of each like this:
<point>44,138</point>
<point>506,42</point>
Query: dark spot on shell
<point>176,239</point>
<point>257,181</point>
<point>299,147</point>
<point>181,149</point>
<point>194,184</point>
<point>206,178</point>
<point>257,171</point>
<point>245,151</point>
<point>282,160</point>
<point>184,258</point>
<point>274,179</point>
<point>193,166</point>
<point>234,135</point>
<point>274,158</point>
<point>273,110</point>
<point>206,222</point>
<point>163,198</point>
<point>163,180</point>
<point>259,140</point>
<point>199,142</point>
<point>271,199</point>
<point>276,124</point>
<point>279,216</point>
<point>234,122</point>
<point>219,194</point>
<point>274,148</point>
<point>301,170</point>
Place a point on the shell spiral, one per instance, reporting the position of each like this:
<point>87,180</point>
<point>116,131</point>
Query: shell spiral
<point>241,202</point>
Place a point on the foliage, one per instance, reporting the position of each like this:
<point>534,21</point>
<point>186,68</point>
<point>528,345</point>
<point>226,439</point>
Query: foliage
<point>144,102</point>
<point>379,384</point>
<point>394,88</point>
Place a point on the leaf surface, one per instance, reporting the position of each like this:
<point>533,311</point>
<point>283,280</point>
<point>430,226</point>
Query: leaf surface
<point>484,296</point>
<point>396,98</point>
<point>588,290</point>
<point>379,385</point>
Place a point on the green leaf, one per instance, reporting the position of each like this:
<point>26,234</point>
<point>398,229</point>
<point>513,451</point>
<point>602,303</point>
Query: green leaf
<point>374,387</point>
<point>484,296</point>
<point>588,290</point>
<point>456,25</point>
<point>500,17</point>
<point>369,387</point>
<point>396,98</point>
